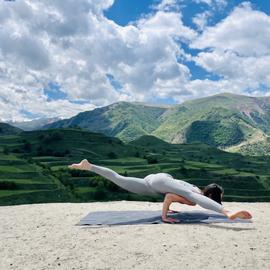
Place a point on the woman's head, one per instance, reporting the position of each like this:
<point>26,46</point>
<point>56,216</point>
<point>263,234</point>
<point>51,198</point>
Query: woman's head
<point>214,191</point>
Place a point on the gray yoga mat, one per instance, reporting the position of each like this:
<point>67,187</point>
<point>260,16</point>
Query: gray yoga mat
<point>154,217</point>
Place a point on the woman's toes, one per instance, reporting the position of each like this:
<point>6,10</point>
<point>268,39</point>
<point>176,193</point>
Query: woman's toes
<point>72,166</point>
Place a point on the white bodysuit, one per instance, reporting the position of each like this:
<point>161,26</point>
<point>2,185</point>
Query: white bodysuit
<point>158,183</point>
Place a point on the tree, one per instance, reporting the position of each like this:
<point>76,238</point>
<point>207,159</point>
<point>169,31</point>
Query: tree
<point>6,150</point>
<point>112,155</point>
<point>183,170</point>
<point>152,160</point>
<point>27,147</point>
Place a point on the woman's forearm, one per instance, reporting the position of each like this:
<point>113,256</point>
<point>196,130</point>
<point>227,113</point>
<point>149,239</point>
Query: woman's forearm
<point>166,204</point>
<point>169,199</point>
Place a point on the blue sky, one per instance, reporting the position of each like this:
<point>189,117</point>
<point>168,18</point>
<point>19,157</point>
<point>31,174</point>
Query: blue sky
<point>124,12</point>
<point>88,54</point>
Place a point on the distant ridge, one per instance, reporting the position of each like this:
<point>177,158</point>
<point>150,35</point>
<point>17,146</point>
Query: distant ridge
<point>227,120</point>
<point>33,124</point>
<point>6,129</point>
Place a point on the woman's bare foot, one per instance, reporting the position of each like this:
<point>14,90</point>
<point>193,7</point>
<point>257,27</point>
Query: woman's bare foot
<point>240,214</point>
<point>83,165</point>
<point>170,220</point>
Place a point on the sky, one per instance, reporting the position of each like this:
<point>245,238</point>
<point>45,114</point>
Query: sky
<point>59,58</point>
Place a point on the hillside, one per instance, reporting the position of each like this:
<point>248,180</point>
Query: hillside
<point>33,167</point>
<point>6,129</point>
<point>124,120</point>
<point>222,120</point>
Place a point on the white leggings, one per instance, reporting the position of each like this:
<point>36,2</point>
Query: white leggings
<point>160,183</point>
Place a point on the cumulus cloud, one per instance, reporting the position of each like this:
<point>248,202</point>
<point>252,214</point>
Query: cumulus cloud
<point>167,5</point>
<point>201,19</point>
<point>213,3</point>
<point>73,45</point>
<point>245,31</point>
<point>237,48</point>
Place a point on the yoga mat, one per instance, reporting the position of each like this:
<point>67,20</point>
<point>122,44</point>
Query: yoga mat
<point>154,217</point>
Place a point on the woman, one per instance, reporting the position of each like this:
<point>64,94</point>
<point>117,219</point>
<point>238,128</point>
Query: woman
<point>163,183</point>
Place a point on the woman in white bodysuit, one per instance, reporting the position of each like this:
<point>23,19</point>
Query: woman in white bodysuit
<point>163,183</point>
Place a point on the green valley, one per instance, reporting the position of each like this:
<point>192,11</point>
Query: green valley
<point>33,167</point>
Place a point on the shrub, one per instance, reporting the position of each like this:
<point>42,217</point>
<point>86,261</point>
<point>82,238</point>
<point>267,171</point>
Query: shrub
<point>16,150</point>
<point>53,137</point>
<point>41,137</point>
<point>6,150</point>
<point>112,155</point>
<point>152,160</point>
<point>27,147</point>
<point>79,173</point>
<point>183,170</point>
<point>99,194</point>
<point>8,185</point>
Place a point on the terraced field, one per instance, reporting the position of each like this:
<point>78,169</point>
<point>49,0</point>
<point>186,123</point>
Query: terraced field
<point>23,182</point>
<point>33,167</point>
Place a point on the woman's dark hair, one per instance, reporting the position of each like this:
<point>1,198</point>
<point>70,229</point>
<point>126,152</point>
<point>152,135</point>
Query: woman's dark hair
<point>215,190</point>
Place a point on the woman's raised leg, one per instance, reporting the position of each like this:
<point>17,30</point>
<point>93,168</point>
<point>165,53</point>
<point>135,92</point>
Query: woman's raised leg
<point>132,184</point>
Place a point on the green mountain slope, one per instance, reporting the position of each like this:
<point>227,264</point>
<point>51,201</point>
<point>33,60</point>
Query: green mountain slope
<point>33,167</point>
<point>6,129</point>
<point>124,120</point>
<point>222,120</point>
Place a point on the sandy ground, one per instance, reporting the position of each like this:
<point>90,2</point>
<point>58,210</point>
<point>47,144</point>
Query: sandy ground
<point>44,236</point>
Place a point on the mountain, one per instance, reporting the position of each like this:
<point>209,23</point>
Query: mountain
<point>226,120</point>
<point>124,120</point>
<point>221,120</point>
<point>33,124</point>
<point>6,129</point>
<point>150,141</point>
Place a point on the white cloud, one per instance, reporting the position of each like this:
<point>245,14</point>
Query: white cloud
<point>245,31</point>
<point>201,19</point>
<point>237,49</point>
<point>74,45</point>
<point>213,3</point>
<point>167,5</point>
